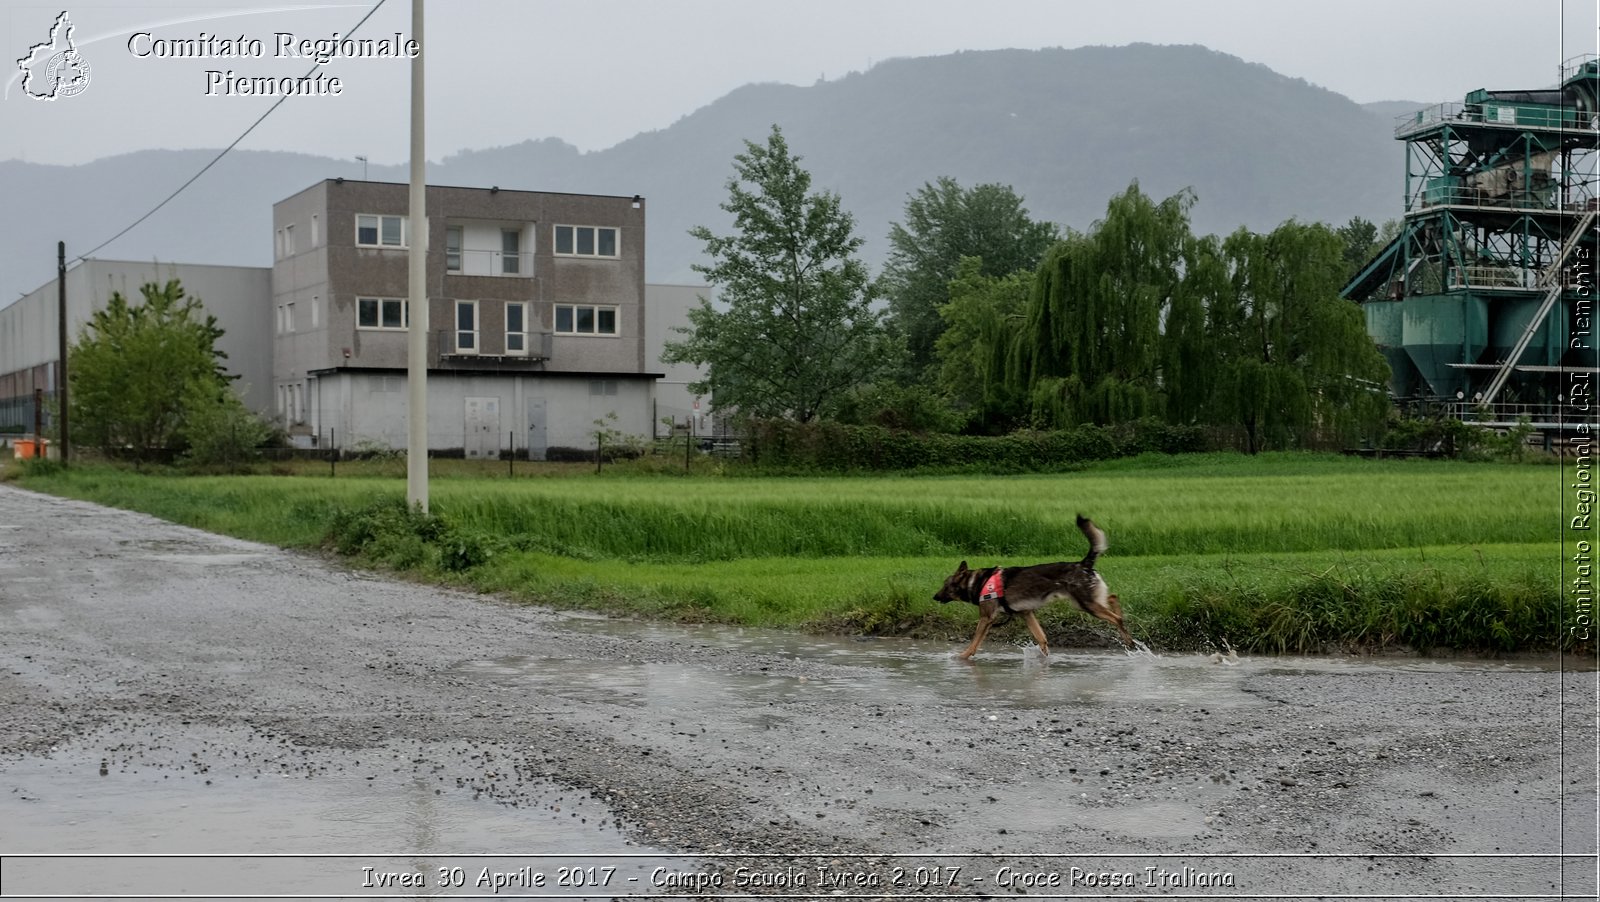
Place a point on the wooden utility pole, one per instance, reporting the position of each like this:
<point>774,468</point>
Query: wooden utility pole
<point>61,347</point>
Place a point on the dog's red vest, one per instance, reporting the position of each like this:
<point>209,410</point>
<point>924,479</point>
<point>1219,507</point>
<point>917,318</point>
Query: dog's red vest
<point>994,587</point>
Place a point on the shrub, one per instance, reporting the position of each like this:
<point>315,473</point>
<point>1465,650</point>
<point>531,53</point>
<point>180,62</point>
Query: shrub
<point>353,532</point>
<point>405,538</point>
<point>837,447</point>
<point>462,549</point>
<point>219,430</point>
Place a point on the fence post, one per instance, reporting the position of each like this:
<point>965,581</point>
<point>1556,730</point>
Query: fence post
<point>333,454</point>
<point>511,455</point>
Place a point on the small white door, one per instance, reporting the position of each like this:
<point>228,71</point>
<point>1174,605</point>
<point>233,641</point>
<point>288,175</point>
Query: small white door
<point>537,435</point>
<point>482,440</point>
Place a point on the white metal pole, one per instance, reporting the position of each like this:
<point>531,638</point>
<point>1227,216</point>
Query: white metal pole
<point>417,345</point>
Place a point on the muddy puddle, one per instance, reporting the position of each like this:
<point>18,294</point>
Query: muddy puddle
<point>198,818</point>
<point>147,809</point>
<point>912,671</point>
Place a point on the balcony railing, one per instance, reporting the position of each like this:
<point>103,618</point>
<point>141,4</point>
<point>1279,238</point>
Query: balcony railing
<point>1545,196</point>
<point>1522,116</point>
<point>487,263</point>
<point>451,348</point>
<point>1576,65</point>
<point>1509,412</point>
<point>1488,276</point>
<point>1418,120</point>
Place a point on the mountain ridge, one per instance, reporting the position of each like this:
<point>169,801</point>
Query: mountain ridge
<point>1066,128</point>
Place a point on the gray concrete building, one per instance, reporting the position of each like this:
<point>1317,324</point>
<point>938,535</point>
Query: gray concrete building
<point>669,307</point>
<point>539,321</point>
<point>240,297</point>
<point>536,314</point>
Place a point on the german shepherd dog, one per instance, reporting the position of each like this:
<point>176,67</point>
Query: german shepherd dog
<point>1023,590</point>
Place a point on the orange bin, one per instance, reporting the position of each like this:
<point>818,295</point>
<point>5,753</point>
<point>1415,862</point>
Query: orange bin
<point>26,448</point>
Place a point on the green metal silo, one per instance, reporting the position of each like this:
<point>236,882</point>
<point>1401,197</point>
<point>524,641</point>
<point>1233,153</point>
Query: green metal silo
<point>1476,294</point>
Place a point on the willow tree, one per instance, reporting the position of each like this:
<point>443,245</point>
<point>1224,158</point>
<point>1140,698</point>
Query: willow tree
<point>1295,365</point>
<point>1140,318</point>
<point>979,319</point>
<point>1090,349</point>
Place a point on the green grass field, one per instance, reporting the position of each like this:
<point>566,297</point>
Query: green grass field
<point>1285,552</point>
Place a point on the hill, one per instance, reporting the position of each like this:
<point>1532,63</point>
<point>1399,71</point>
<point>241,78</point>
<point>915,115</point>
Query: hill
<point>1066,128</point>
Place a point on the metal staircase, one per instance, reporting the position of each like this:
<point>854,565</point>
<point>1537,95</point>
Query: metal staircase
<point>1551,279</point>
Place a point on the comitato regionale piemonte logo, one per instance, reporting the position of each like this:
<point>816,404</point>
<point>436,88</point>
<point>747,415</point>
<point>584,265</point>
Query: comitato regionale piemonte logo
<point>54,68</point>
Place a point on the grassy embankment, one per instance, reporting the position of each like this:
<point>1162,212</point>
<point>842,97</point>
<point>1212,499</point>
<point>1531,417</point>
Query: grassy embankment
<point>1275,553</point>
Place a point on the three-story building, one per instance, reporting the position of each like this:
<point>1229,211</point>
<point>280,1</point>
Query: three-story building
<point>536,318</point>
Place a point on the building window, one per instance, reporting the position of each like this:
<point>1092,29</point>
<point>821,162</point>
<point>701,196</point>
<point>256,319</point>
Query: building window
<point>452,249</point>
<point>277,245</point>
<point>316,236</point>
<point>510,251</point>
<point>602,387</point>
<point>517,328</point>
<point>466,327</point>
<point>288,317</point>
<point>382,313</point>
<point>583,319</point>
<point>316,311</point>
<point>380,231</point>
<point>585,241</point>
<point>288,241</point>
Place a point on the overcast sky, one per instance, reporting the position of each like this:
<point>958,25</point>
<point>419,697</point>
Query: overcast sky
<point>595,73</point>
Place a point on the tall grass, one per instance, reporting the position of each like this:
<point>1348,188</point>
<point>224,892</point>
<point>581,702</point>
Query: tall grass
<point>1283,504</point>
<point>1273,553</point>
<point>1201,510</point>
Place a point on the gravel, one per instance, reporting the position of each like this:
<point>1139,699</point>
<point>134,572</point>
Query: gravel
<point>137,647</point>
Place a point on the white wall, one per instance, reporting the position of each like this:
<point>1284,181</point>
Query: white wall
<point>668,306</point>
<point>367,409</point>
<point>240,297</point>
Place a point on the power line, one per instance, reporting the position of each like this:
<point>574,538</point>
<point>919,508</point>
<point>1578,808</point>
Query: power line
<point>224,152</point>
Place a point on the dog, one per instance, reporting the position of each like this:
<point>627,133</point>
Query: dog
<point>1023,590</point>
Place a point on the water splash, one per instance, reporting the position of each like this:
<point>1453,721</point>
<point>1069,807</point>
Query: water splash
<point>1228,655</point>
<point>1140,650</point>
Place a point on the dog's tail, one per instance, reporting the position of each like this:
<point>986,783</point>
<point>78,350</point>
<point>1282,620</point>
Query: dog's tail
<point>1097,540</point>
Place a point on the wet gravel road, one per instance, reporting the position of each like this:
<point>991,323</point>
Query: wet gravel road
<point>169,691</point>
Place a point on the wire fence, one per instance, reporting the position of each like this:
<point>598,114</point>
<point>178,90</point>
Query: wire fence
<point>468,454</point>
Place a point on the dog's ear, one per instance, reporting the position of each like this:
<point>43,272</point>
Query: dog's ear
<point>961,567</point>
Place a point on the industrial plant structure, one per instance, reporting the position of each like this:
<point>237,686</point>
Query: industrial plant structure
<point>1484,302</point>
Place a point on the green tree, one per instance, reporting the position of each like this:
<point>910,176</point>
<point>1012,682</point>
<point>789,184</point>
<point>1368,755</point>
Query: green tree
<point>133,364</point>
<point>979,319</point>
<point>1295,365</point>
<point>1359,238</point>
<point>218,430</point>
<point>1140,318</point>
<point>945,223</point>
<point>798,331</point>
<point>1090,350</point>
